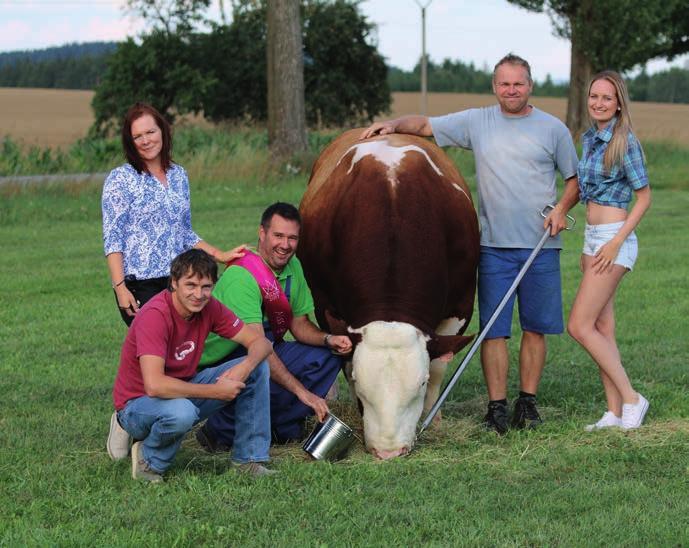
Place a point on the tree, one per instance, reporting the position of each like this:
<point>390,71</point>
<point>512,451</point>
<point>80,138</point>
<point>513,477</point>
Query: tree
<point>172,16</point>
<point>285,78</point>
<point>612,34</point>
<point>161,71</point>
<point>224,72</point>
<point>345,76</point>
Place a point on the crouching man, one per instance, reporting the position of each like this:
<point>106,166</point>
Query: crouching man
<point>268,291</point>
<point>159,395</point>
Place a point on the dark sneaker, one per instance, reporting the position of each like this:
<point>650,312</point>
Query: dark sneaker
<point>208,441</point>
<point>496,418</point>
<point>525,413</point>
<point>140,468</point>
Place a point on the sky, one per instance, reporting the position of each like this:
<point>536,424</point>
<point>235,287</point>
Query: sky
<point>478,31</point>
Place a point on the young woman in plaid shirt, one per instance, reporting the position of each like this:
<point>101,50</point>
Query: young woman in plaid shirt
<point>611,169</point>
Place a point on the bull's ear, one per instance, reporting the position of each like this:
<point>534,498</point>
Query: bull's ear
<point>356,334</point>
<point>442,344</point>
<point>335,325</point>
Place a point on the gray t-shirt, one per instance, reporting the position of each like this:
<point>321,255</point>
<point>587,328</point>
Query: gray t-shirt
<point>516,158</point>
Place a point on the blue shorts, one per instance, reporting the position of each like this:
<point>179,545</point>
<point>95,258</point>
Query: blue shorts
<point>539,292</point>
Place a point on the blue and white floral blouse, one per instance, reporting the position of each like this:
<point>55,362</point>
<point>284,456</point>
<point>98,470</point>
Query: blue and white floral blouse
<point>145,221</point>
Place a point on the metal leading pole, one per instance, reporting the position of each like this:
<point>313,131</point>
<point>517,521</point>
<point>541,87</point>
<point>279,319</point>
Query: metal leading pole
<point>460,369</point>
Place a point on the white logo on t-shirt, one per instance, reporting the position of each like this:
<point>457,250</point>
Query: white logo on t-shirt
<point>184,349</point>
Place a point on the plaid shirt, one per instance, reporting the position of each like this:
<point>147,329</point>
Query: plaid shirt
<point>614,187</point>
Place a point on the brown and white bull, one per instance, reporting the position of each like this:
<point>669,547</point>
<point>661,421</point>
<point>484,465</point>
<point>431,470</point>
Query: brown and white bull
<point>389,243</point>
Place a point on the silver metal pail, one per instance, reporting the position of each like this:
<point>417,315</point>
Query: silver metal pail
<point>329,440</point>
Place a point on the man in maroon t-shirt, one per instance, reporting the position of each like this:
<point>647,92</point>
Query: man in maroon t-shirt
<point>158,393</point>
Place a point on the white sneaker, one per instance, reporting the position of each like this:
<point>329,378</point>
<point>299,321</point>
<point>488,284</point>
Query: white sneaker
<point>118,440</point>
<point>608,420</point>
<point>633,413</point>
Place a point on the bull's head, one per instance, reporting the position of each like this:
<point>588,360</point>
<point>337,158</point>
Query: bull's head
<point>390,370</point>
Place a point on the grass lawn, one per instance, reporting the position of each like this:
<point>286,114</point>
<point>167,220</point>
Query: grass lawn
<point>60,337</point>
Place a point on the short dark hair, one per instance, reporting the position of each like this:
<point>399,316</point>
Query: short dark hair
<point>285,210</point>
<point>513,59</point>
<point>190,262</point>
<point>135,112</point>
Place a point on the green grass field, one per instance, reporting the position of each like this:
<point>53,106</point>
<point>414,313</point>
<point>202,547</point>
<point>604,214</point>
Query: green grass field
<point>60,338</point>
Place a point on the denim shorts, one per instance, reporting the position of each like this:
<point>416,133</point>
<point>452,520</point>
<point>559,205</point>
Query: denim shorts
<point>539,293</point>
<point>595,236</point>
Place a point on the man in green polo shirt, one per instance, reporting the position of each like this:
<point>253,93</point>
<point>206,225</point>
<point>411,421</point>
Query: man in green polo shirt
<point>301,371</point>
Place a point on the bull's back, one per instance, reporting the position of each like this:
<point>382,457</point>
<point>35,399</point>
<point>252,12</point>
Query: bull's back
<point>389,231</point>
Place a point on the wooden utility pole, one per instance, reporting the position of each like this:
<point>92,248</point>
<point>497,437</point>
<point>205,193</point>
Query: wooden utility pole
<point>424,82</point>
<point>286,111</point>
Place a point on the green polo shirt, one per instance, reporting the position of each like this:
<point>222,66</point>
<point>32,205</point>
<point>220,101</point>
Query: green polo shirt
<point>238,290</point>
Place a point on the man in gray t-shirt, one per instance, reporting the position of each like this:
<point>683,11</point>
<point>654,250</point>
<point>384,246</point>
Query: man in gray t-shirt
<point>517,149</point>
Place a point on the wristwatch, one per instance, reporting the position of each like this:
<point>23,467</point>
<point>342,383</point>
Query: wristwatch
<point>326,339</point>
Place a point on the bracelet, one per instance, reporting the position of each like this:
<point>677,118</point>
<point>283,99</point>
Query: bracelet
<point>326,339</point>
<point>118,284</point>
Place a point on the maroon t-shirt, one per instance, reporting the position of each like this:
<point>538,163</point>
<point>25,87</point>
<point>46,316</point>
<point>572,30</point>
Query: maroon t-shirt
<point>159,330</point>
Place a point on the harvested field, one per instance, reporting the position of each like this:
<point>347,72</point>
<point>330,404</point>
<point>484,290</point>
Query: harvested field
<point>45,117</point>
<point>652,121</point>
<point>57,118</point>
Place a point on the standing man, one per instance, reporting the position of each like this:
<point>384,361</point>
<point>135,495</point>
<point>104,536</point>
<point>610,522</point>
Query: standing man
<point>268,291</point>
<point>517,149</point>
<point>159,395</point>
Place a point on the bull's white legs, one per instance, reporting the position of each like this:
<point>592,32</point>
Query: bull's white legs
<point>350,381</point>
<point>438,367</point>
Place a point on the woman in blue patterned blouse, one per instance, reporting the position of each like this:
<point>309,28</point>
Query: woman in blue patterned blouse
<point>146,213</point>
<point>611,169</point>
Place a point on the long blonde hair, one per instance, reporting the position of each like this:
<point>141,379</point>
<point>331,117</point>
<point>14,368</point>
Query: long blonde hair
<point>617,147</point>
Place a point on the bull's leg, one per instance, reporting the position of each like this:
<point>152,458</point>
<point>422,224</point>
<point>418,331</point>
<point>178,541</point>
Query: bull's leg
<point>449,326</point>
<point>347,368</point>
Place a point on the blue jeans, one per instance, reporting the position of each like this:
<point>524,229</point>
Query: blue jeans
<point>315,367</point>
<point>161,424</point>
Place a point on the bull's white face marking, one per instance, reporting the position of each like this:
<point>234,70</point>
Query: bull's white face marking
<point>389,155</point>
<point>390,370</point>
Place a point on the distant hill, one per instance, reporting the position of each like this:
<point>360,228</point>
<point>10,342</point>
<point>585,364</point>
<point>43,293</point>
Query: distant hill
<point>72,66</point>
<point>68,51</point>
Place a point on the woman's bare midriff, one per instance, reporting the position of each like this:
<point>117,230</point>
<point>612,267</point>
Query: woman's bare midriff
<point>597,214</point>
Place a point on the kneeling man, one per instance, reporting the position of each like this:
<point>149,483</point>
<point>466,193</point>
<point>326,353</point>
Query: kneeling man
<point>268,290</point>
<point>159,395</point>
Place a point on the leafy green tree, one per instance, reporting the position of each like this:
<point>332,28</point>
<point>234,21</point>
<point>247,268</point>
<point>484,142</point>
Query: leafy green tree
<point>172,16</point>
<point>162,71</point>
<point>223,72</point>
<point>236,57</point>
<point>345,76</point>
<point>616,34</point>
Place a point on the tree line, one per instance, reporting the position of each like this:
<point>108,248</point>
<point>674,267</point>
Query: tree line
<point>82,68</point>
<point>72,66</point>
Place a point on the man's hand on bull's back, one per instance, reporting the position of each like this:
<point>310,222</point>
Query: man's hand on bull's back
<point>318,404</point>
<point>340,344</point>
<point>379,128</point>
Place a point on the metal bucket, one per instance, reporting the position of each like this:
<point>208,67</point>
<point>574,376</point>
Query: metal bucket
<point>329,440</point>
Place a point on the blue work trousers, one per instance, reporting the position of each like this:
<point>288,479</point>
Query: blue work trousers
<point>315,367</point>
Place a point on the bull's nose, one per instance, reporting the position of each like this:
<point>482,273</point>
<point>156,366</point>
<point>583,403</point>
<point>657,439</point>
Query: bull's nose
<point>386,455</point>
